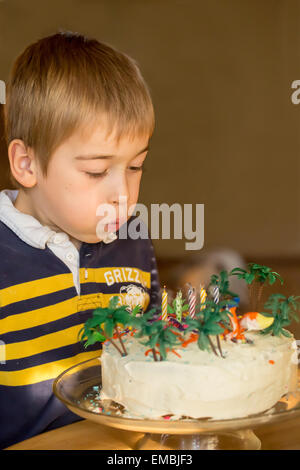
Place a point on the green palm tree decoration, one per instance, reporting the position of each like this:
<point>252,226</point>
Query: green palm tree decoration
<point>142,323</point>
<point>256,277</point>
<point>104,324</point>
<point>283,310</point>
<point>222,282</point>
<point>257,272</point>
<point>219,313</point>
<point>206,323</point>
<point>144,327</point>
<point>137,310</point>
<point>161,333</point>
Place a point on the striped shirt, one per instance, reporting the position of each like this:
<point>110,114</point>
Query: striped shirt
<point>48,289</point>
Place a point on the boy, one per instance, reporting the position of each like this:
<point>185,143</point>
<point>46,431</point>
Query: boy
<point>78,120</point>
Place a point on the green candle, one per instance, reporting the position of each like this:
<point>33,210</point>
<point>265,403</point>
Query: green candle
<point>178,306</point>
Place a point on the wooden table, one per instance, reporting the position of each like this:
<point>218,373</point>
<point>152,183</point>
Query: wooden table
<point>87,435</point>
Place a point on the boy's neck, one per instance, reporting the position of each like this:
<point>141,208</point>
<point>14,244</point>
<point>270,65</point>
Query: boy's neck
<point>23,204</point>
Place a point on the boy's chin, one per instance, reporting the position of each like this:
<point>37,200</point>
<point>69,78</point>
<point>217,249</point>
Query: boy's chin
<point>106,233</point>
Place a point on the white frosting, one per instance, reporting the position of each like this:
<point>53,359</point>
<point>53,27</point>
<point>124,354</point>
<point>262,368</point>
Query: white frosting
<point>200,384</point>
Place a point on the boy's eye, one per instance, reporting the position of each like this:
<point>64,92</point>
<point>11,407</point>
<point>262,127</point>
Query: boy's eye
<point>101,175</point>
<point>96,175</point>
<point>137,168</point>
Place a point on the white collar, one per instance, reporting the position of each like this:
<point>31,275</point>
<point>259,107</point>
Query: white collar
<point>29,229</point>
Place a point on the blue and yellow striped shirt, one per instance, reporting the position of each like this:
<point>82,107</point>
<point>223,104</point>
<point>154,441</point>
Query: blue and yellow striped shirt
<point>41,313</point>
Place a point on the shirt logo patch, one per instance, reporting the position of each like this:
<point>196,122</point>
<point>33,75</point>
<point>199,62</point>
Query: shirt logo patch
<point>123,275</point>
<point>133,295</point>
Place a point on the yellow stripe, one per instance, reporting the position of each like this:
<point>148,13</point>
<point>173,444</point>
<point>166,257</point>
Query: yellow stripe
<point>112,275</point>
<point>28,290</point>
<point>43,372</point>
<point>48,285</point>
<point>39,316</point>
<point>57,311</point>
<point>43,343</point>
<point>48,342</point>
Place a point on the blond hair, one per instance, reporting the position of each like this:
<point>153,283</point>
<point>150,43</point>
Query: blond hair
<point>65,82</point>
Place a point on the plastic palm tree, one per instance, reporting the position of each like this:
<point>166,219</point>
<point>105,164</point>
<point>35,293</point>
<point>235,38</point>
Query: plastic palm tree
<point>283,310</point>
<point>219,313</point>
<point>222,282</point>
<point>206,324</point>
<point>144,327</point>
<point>256,276</point>
<point>161,333</point>
<point>104,324</point>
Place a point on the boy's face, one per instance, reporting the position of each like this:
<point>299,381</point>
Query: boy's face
<point>77,183</point>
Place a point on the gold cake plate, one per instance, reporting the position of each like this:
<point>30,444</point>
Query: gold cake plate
<point>78,388</point>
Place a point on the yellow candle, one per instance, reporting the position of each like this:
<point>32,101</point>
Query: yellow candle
<point>203,296</point>
<point>164,305</point>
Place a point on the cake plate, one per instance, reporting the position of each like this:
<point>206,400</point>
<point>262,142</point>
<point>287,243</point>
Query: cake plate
<point>78,388</point>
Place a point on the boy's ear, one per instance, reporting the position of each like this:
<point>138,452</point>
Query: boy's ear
<point>22,163</point>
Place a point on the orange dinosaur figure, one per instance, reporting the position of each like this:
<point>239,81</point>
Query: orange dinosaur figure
<point>237,330</point>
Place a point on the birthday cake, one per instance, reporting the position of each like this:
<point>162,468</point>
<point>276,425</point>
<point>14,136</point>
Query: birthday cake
<point>250,378</point>
<point>204,361</point>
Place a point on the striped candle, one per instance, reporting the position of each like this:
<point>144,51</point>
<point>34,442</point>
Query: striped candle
<point>216,294</point>
<point>192,301</point>
<point>164,305</point>
<point>203,296</point>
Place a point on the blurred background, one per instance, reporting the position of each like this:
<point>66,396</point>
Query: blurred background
<point>227,133</point>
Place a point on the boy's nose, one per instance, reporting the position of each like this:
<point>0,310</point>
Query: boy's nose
<point>119,191</point>
<point>121,206</point>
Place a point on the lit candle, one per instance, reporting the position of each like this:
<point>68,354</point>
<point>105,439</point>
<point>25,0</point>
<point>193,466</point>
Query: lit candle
<point>203,296</point>
<point>192,301</point>
<point>178,306</point>
<point>164,305</point>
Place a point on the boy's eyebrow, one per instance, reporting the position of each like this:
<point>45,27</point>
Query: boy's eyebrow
<point>95,157</point>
